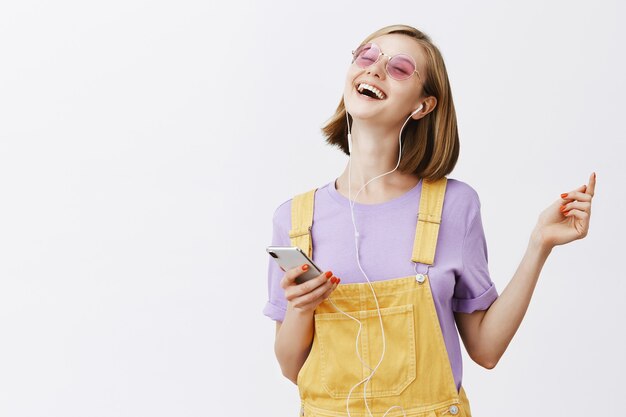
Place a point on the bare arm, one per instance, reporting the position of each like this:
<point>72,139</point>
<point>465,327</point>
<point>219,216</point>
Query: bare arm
<point>293,343</point>
<point>486,334</point>
<point>295,334</point>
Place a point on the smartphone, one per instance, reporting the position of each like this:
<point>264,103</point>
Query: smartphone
<point>289,257</point>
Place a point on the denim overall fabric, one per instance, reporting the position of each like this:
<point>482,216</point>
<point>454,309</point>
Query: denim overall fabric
<point>415,372</point>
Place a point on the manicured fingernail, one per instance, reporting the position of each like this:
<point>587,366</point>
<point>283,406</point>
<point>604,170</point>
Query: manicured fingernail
<point>338,280</point>
<point>329,274</point>
<point>563,195</point>
<point>562,208</point>
<point>333,280</point>
<point>305,267</point>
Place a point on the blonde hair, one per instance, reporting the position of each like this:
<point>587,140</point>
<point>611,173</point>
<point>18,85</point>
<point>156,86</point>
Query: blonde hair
<point>430,145</point>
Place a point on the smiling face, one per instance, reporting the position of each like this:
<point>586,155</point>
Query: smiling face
<point>371,94</point>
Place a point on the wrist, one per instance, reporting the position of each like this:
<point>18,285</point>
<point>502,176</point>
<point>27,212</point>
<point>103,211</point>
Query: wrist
<point>538,243</point>
<point>299,313</point>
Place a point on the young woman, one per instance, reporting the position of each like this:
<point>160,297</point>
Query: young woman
<point>408,248</point>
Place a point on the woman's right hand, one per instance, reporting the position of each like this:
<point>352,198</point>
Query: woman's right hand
<point>308,295</point>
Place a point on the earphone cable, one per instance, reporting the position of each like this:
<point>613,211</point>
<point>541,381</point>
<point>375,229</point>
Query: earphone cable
<point>356,235</point>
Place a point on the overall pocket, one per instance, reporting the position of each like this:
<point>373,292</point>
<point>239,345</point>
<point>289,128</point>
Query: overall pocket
<point>340,367</point>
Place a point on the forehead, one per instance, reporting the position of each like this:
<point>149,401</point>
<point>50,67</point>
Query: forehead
<point>395,43</point>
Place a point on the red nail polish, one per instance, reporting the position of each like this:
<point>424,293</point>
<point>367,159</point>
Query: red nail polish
<point>338,280</point>
<point>563,195</point>
<point>305,267</point>
<point>329,274</point>
<point>333,280</point>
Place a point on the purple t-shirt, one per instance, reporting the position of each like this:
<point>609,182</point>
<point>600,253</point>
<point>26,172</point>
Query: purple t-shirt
<point>459,278</point>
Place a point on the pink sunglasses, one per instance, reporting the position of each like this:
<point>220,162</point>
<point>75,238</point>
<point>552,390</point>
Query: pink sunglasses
<point>399,67</point>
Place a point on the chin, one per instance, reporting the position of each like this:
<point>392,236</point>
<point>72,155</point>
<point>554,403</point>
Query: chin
<point>369,116</point>
<point>360,113</point>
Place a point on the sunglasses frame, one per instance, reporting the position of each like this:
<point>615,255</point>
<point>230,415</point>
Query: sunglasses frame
<point>389,58</point>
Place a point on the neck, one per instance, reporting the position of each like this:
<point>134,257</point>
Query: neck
<point>374,152</point>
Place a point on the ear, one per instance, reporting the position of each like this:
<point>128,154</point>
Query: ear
<point>429,105</point>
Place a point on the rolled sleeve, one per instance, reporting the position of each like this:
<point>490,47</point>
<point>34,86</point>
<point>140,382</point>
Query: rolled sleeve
<point>474,289</point>
<point>482,302</point>
<point>276,305</point>
<point>274,312</point>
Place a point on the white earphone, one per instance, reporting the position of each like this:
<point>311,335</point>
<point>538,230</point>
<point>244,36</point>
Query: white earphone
<point>350,136</point>
<point>373,370</point>
<point>418,109</point>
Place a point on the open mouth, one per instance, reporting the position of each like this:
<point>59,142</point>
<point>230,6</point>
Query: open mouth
<point>370,91</point>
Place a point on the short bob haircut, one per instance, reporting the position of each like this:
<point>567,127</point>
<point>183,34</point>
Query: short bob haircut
<point>430,145</point>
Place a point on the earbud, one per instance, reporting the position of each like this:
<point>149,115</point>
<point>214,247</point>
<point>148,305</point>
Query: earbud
<point>418,109</point>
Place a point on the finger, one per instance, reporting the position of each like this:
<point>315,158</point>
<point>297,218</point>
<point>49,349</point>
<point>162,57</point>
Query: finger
<point>291,275</point>
<point>579,205</point>
<point>577,194</point>
<point>294,291</point>
<point>591,188</point>
<point>324,296</point>
<point>582,215</point>
<point>330,290</point>
<point>312,296</point>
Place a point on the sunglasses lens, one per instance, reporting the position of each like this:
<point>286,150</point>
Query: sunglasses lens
<point>400,67</point>
<point>366,55</point>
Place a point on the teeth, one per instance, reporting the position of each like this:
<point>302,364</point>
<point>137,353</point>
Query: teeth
<point>373,89</point>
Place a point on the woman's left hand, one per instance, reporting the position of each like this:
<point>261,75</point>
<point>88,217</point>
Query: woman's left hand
<point>566,219</point>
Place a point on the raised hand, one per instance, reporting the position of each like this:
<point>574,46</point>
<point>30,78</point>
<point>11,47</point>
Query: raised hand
<point>566,219</point>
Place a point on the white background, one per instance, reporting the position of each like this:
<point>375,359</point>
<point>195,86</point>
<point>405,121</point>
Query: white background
<point>144,146</point>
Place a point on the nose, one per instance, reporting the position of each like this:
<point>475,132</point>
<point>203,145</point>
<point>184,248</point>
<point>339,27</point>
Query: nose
<point>377,69</point>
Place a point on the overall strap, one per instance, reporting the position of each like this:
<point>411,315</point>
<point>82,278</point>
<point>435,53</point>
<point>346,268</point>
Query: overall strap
<point>428,220</point>
<point>302,221</point>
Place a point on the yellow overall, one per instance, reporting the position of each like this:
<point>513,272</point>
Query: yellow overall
<point>415,372</point>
